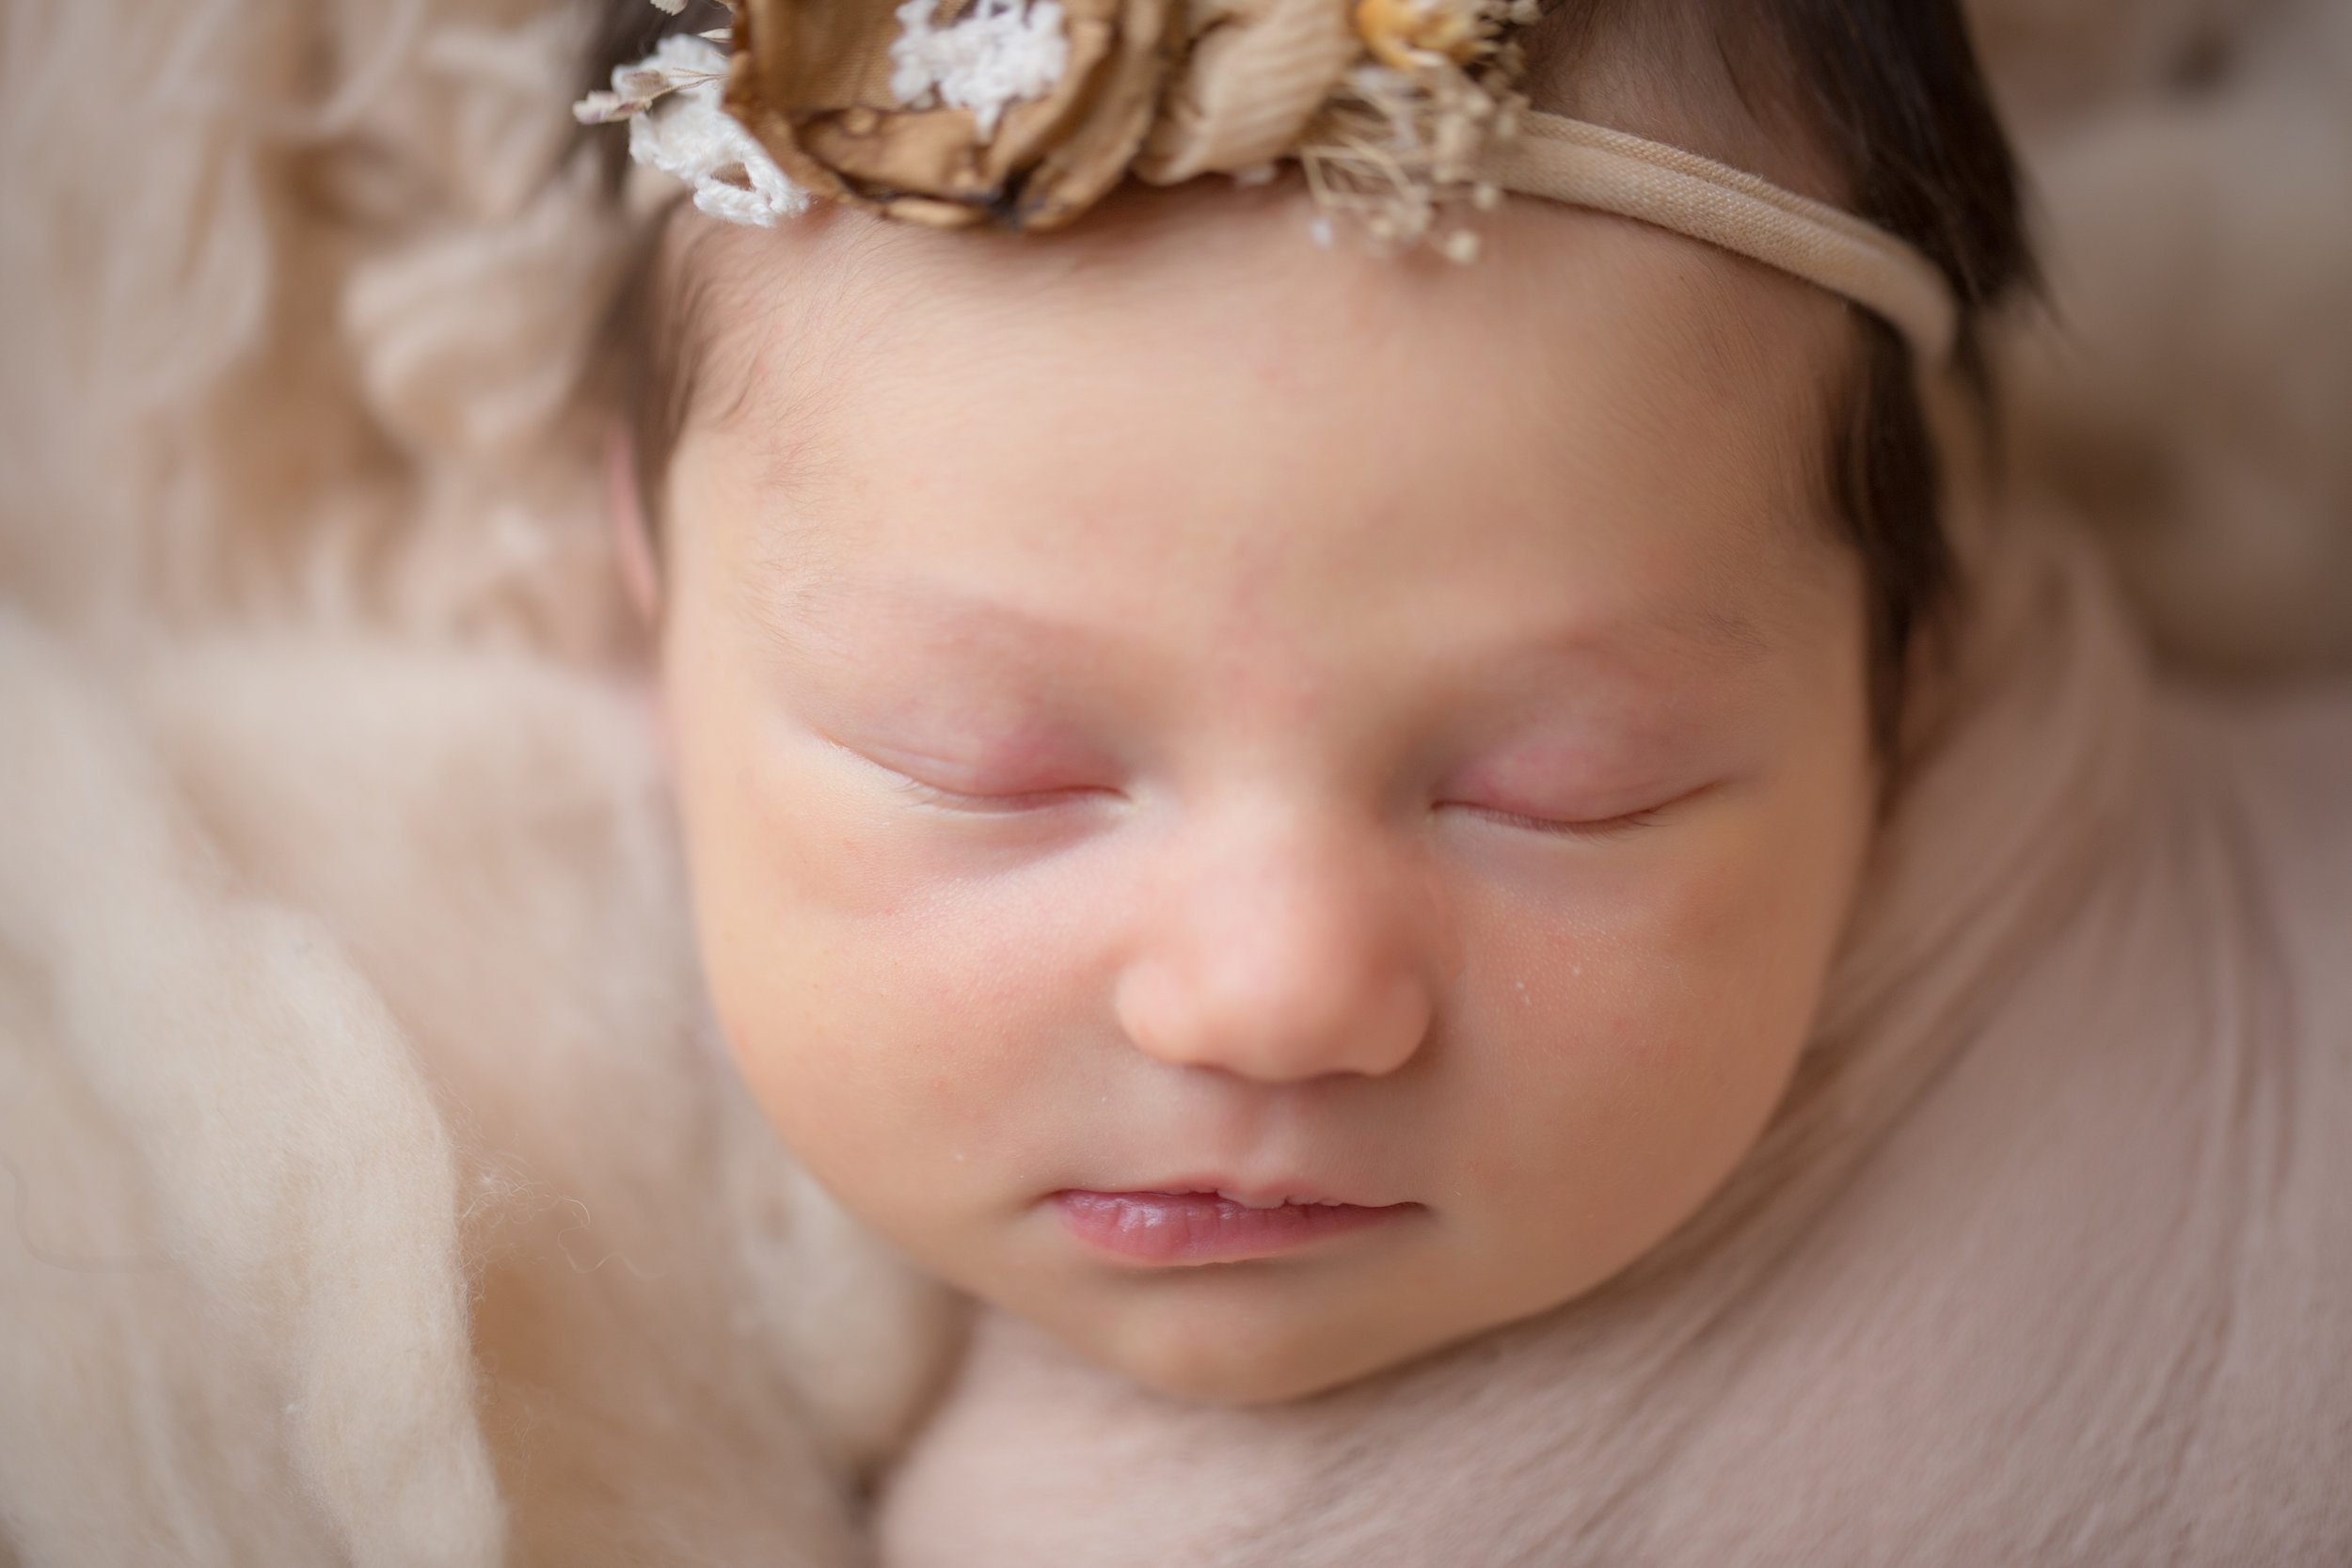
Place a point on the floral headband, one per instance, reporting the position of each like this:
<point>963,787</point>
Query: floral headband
<point>1023,113</point>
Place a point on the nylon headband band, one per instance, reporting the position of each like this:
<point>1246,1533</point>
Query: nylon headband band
<point>1591,165</point>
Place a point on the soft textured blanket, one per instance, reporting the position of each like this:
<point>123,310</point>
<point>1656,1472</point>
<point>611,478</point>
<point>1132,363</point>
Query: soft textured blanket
<point>378,1193</point>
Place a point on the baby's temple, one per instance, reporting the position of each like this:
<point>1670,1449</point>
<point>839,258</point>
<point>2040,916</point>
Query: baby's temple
<point>1143,784</point>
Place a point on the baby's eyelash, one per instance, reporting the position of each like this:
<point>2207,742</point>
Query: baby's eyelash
<point>1598,827</point>
<point>988,806</point>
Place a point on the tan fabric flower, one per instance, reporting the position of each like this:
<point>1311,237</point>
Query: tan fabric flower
<point>1257,73</point>
<point>1023,113</point>
<point>816,82</point>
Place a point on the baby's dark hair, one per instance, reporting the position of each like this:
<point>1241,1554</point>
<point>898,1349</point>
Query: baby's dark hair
<point>1877,107</point>
<point>1880,107</point>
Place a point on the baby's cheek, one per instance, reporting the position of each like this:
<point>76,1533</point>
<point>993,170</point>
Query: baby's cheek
<point>1641,1026</point>
<point>788,905</point>
<point>907,1034</point>
<point>1727,967</point>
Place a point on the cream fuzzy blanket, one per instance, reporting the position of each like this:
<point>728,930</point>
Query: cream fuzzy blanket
<point>373,1194</point>
<point>379,1192</point>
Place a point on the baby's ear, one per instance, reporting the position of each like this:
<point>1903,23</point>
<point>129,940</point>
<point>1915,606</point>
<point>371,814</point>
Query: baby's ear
<point>632,530</point>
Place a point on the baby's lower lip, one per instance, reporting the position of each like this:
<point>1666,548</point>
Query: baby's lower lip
<point>1204,1228</point>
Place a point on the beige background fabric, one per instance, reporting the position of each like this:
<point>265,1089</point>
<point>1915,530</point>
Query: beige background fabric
<point>375,1196</point>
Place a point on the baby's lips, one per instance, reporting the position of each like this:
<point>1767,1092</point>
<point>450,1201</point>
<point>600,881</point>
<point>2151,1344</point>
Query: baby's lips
<point>1190,1229</point>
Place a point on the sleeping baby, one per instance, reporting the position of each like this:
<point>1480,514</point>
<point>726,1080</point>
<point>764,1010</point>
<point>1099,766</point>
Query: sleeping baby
<point>1359,737</point>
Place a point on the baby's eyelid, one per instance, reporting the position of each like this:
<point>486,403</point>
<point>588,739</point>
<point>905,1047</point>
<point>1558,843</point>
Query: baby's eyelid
<point>1005,804</point>
<point>1613,825</point>
<point>1599,827</point>
<point>902,777</point>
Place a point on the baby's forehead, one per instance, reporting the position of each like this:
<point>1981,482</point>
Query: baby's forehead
<point>1228,292</point>
<point>1204,430</point>
<point>1020,493</point>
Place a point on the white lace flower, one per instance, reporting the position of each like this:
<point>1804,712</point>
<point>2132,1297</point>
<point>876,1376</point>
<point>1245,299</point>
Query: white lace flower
<point>679,125</point>
<point>1006,52</point>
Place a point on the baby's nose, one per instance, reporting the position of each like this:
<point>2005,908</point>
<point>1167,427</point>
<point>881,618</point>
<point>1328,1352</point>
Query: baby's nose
<point>1285,955</point>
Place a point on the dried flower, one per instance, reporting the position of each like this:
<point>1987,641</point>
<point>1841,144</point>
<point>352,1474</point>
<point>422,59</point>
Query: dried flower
<point>1407,34</point>
<point>1002,52</point>
<point>676,67</point>
<point>1023,113</point>
<point>942,112</point>
<point>1398,148</point>
<point>1256,74</point>
<point>678,126</point>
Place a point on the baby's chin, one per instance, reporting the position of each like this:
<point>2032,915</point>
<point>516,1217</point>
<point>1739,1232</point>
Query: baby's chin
<point>1240,1359</point>
<point>1244,1335</point>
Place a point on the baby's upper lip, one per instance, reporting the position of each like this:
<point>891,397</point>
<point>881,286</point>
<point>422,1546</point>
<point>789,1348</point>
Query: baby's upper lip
<point>1251,1194</point>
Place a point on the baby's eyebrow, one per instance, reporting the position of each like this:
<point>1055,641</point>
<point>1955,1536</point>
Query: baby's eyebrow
<point>1617,669</point>
<point>1725,631</point>
<point>1628,643</point>
<point>810,610</point>
<point>803,600</point>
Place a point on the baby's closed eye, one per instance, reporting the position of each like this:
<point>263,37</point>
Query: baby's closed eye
<point>1007,772</point>
<point>1567,788</point>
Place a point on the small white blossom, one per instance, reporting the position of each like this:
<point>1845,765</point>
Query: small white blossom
<point>679,125</point>
<point>1006,52</point>
<point>638,88</point>
<point>601,108</point>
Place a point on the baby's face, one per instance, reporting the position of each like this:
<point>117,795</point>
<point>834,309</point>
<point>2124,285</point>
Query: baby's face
<point>1264,808</point>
